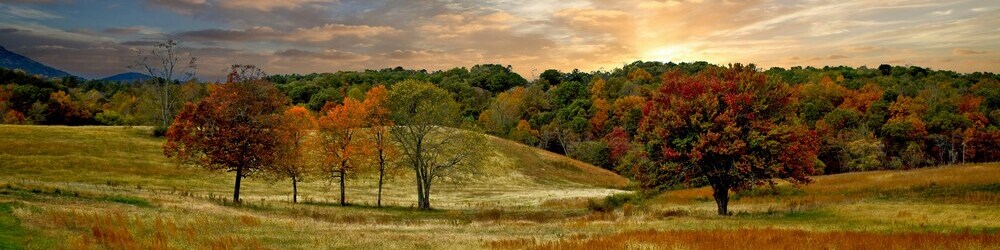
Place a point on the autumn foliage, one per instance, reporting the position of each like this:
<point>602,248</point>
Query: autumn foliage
<point>341,137</point>
<point>237,128</point>
<point>298,125</point>
<point>730,127</point>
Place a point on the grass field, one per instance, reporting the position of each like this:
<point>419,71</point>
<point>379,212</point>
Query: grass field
<point>111,188</point>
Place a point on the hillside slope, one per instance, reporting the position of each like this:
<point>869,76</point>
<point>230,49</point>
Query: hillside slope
<point>513,175</point>
<point>11,60</point>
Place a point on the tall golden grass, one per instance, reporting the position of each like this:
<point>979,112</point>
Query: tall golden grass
<point>761,239</point>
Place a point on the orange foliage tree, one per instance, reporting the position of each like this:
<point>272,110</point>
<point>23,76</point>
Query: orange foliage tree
<point>235,129</point>
<point>297,125</point>
<point>379,123</point>
<point>340,137</point>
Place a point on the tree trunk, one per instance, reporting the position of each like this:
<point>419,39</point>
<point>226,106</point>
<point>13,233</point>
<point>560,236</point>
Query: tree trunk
<point>427,195</point>
<point>381,174</point>
<point>420,190</point>
<point>720,190</point>
<point>295,190</point>
<point>343,202</point>
<point>236,187</point>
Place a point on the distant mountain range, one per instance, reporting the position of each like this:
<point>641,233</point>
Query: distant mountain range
<point>127,77</point>
<point>13,60</point>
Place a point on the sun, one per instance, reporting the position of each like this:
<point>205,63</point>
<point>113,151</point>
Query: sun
<point>667,53</point>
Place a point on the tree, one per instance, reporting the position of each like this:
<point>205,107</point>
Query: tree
<point>297,124</point>
<point>552,76</point>
<point>345,147</point>
<point>523,133</point>
<point>379,123</point>
<point>729,126</point>
<point>618,144</point>
<point>427,119</point>
<point>235,129</point>
<point>504,112</point>
<point>163,63</point>
<point>494,77</point>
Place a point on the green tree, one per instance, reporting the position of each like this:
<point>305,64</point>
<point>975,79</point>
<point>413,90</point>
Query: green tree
<point>427,118</point>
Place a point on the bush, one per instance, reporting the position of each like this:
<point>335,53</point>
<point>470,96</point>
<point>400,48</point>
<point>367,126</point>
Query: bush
<point>159,131</point>
<point>110,117</point>
<point>614,201</point>
<point>594,152</point>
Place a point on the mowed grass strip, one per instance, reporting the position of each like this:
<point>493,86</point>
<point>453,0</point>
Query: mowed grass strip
<point>761,239</point>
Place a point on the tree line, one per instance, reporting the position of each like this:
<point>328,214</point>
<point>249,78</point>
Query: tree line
<point>248,127</point>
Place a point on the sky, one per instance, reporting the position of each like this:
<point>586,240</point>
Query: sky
<point>100,38</point>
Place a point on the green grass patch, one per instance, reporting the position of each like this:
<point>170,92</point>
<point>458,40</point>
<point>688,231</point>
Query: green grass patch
<point>15,236</point>
<point>11,233</point>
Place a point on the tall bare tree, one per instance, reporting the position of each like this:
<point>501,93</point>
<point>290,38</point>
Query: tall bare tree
<point>163,63</point>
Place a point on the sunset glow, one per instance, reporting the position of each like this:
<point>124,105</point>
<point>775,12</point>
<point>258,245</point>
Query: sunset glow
<point>304,36</point>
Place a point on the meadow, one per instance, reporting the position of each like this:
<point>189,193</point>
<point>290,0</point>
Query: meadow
<point>112,188</point>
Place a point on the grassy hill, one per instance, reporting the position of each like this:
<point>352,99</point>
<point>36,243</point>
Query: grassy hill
<point>128,157</point>
<point>110,187</point>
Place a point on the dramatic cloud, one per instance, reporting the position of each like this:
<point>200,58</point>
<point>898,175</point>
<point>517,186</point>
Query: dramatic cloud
<point>303,36</point>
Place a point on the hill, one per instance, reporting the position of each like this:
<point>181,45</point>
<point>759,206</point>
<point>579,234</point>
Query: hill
<point>127,77</point>
<point>11,60</point>
<point>513,174</point>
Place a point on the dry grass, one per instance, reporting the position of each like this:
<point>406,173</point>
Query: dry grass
<point>110,188</point>
<point>761,239</point>
<point>972,183</point>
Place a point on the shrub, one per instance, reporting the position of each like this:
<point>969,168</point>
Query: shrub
<point>159,131</point>
<point>594,152</point>
<point>110,117</point>
<point>614,201</point>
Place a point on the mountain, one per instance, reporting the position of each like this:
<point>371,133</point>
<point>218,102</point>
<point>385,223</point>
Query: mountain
<point>127,77</point>
<point>13,60</point>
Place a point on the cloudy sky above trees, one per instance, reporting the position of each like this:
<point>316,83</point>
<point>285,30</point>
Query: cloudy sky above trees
<point>98,38</point>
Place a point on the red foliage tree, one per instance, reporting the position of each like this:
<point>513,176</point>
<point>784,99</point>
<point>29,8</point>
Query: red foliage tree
<point>619,144</point>
<point>729,126</point>
<point>235,129</point>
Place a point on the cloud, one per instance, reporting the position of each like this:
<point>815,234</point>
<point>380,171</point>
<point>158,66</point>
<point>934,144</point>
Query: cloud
<point>302,36</point>
<point>323,33</point>
<point>134,30</point>
<point>187,7</point>
<point>965,52</point>
<point>332,31</point>
<point>864,48</point>
<point>27,13</point>
<point>268,5</point>
<point>329,54</point>
<point>241,35</point>
<point>941,13</point>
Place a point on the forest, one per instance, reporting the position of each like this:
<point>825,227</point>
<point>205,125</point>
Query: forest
<point>890,117</point>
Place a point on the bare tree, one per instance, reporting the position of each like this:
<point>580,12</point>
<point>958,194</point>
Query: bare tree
<point>163,63</point>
